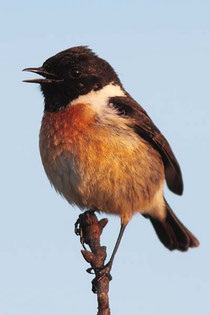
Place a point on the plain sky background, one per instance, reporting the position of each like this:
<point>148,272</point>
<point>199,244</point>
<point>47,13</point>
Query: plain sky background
<point>160,49</point>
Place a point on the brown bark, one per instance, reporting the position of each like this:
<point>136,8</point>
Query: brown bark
<point>90,229</point>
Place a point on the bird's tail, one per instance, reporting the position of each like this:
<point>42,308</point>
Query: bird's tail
<point>172,233</point>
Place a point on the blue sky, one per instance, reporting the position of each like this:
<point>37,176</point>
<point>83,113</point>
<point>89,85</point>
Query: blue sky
<point>161,52</point>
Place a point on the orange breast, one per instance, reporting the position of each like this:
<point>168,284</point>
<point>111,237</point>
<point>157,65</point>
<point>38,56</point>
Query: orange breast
<point>62,130</point>
<point>99,164</point>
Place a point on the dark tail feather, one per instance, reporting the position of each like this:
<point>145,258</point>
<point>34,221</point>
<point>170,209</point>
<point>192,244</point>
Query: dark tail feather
<point>172,233</point>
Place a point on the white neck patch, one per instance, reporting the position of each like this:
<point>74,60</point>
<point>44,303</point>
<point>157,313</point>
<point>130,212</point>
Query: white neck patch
<point>98,100</point>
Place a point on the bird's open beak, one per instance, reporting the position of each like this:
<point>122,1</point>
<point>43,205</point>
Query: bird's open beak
<point>49,77</point>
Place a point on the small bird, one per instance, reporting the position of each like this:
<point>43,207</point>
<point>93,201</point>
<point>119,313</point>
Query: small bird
<point>100,149</point>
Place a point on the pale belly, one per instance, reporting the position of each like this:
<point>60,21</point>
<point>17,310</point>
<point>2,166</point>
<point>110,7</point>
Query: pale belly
<point>101,168</point>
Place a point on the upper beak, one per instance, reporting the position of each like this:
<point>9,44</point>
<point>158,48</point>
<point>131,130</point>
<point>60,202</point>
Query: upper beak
<point>49,77</point>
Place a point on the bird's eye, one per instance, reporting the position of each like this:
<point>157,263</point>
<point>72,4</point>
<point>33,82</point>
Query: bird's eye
<point>75,73</point>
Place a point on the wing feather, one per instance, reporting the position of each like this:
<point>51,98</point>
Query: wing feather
<point>145,128</point>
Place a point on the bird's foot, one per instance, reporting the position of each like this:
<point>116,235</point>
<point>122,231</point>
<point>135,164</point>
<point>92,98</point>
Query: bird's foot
<point>101,275</point>
<point>101,272</point>
<point>78,231</point>
<point>104,272</point>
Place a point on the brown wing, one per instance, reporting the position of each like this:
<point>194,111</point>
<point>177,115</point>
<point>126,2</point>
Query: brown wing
<point>143,126</point>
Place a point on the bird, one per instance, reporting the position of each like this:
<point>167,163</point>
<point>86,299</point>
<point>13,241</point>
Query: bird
<point>101,150</point>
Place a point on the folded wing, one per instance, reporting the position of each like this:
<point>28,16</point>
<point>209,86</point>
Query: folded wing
<point>145,128</point>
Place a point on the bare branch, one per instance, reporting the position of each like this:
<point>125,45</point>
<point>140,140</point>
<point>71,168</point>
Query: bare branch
<point>90,229</point>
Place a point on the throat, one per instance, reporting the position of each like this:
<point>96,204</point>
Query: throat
<point>56,97</point>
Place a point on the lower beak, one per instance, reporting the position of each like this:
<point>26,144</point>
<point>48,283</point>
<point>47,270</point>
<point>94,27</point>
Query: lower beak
<point>49,77</point>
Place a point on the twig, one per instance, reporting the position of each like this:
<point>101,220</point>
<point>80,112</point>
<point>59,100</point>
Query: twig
<point>90,229</point>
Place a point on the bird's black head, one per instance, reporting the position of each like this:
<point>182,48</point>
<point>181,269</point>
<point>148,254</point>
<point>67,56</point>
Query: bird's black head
<point>71,73</point>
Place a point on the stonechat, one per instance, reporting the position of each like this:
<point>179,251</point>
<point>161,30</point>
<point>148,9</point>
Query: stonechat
<point>100,149</point>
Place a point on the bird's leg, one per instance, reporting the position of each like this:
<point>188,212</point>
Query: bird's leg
<point>107,268</point>
<point>122,229</point>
